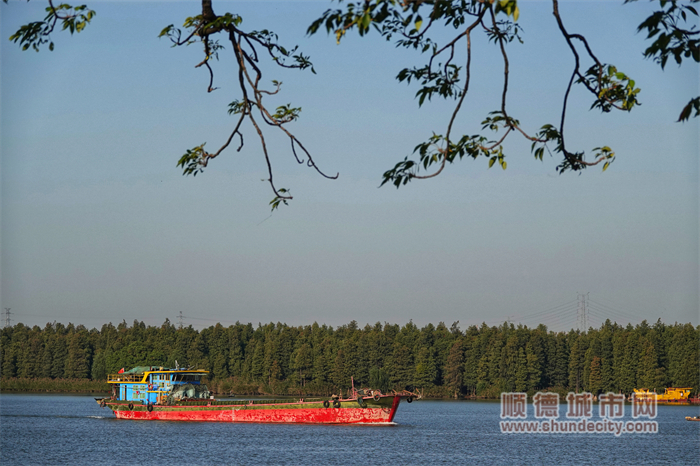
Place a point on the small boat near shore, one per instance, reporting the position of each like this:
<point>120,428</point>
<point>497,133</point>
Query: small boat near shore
<point>160,394</point>
<point>692,418</point>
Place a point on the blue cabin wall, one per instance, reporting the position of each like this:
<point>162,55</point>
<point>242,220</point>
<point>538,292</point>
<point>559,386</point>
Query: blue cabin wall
<point>147,392</point>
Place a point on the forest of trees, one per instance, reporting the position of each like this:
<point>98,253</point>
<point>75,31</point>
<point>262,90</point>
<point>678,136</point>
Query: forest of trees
<point>317,359</point>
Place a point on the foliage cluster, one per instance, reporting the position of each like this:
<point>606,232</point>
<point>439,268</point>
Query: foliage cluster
<point>317,359</point>
<point>445,73</point>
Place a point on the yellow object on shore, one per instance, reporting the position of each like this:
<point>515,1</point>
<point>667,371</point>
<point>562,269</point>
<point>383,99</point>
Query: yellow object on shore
<point>670,395</point>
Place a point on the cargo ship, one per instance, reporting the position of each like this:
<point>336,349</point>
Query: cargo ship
<point>671,395</point>
<point>160,394</point>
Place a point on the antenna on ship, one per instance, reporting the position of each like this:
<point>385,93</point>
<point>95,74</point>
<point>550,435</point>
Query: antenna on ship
<point>7,317</point>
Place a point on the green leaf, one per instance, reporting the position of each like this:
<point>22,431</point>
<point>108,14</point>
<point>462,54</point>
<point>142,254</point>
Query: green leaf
<point>366,19</point>
<point>419,23</point>
<point>165,30</point>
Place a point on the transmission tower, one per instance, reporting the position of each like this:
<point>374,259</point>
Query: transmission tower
<point>179,320</point>
<point>582,312</point>
<point>7,317</point>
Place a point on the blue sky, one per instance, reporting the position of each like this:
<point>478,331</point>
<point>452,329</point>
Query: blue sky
<point>99,225</point>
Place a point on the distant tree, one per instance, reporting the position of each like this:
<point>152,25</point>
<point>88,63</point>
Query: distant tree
<point>375,344</point>
<point>322,361</point>
<point>646,370</point>
<point>20,343</point>
<point>595,380</point>
<point>606,355</point>
<point>77,363</point>
<point>631,356</point>
<point>275,373</point>
<point>217,345</point>
<point>258,363</point>
<point>425,368</point>
<point>302,362</point>
<point>339,376</point>
<point>401,367</point>
<point>471,360</point>
<point>534,364</point>
<point>684,359</point>
<point>59,352</point>
<point>9,359</point>
<point>558,361</point>
<point>576,362</point>
<point>379,380</point>
<point>454,370</point>
<point>521,379</point>
<point>496,370</point>
<point>236,356</point>
<point>196,353</point>
<point>99,367</point>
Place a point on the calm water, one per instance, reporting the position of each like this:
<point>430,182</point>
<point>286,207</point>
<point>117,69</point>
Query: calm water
<point>73,429</point>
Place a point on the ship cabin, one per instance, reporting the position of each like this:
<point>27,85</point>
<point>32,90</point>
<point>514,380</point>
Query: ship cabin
<point>151,384</point>
<point>677,393</point>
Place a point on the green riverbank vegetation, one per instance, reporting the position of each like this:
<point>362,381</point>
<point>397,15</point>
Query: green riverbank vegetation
<point>318,359</point>
<point>47,384</point>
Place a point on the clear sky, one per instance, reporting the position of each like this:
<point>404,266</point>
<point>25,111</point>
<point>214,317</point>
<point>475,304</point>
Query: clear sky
<point>99,225</point>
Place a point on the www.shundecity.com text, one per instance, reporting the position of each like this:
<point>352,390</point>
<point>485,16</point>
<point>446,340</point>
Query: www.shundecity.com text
<point>584,426</point>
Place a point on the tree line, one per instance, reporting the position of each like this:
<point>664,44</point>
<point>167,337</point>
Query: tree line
<point>480,361</point>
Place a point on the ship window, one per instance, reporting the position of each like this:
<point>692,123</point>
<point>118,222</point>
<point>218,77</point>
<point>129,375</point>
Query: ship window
<point>187,377</point>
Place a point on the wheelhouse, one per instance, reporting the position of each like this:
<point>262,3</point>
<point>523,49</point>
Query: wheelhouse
<point>151,385</point>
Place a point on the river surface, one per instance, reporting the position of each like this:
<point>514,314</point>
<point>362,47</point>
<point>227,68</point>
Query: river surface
<point>74,430</point>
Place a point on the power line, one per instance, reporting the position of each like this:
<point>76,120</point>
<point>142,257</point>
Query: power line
<point>619,312</point>
<point>564,313</point>
<point>580,313</point>
<point>544,311</point>
<point>561,320</point>
<point>604,315</point>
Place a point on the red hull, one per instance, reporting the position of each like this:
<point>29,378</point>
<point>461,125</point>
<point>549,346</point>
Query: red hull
<point>266,414</point>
